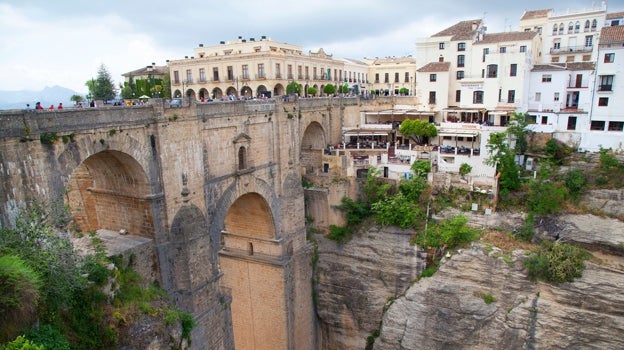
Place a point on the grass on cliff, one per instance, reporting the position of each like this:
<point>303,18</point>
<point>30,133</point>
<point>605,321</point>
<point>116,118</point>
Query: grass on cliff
<point>71,307</point>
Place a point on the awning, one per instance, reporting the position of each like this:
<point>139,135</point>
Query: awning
<point>458,133</point>
<point>462,110</point>
<point>363,132</point>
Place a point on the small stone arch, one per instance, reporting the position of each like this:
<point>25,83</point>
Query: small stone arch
<point>312,145</point>
<point>203,93</point>
<point>231,91</point>
<point>246,92</point>
<point>261,91</point>
<point>278,90</point>
<point>217,93</point>
<point>241,146</point>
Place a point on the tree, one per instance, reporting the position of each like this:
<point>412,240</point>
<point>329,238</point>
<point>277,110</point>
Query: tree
<point>312,91</point>
<point>76,98</point>
<point>329,89</point>
<point>418,130</point>
<point>464,169</point>
<point>293,88</point>
<point>421,167</point>
<point>518,130</point>
<point>103,87</point>
<point>343,89</point>
<point>404,91</point>
<point>502,157</point>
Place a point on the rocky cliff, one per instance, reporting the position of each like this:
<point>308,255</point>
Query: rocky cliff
<point>356,279</point>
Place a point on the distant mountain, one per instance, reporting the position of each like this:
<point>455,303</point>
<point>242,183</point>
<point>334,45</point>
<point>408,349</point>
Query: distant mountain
<point>48,96</point>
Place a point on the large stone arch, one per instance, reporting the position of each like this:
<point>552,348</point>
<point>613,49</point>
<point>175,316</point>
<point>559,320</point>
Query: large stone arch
<point>251,262</point>
<point>110,190</point>
<point>313,143</point>
<point>278,90</point>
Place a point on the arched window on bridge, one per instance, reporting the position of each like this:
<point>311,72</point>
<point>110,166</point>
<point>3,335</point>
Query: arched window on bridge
<point>242,158</point>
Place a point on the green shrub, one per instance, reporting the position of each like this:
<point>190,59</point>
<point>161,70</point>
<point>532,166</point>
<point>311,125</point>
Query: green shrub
<point>575,182</point>
<point>527,231</point>
<point>545,198</point>
<point>488,298</point>
<point>464,169</point>
<point>339,233</point>
<point>429,271</point>
<point>397,210</point>
<point>19,292</point>
<point>21,343</point>
<point>556,262</point>
<point>448,233</point>
<point>608,160</point>
<point>49,337</point>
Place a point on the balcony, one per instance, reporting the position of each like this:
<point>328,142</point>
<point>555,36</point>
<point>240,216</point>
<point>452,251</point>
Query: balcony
<point>607,87</point>
<point>570,49</point>
<point>261,76</point>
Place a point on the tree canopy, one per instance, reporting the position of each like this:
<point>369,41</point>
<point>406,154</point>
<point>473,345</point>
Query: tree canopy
<point>329,89</point>
<point>102,88</point>
<point>418,130</point>
<point>293,88</point>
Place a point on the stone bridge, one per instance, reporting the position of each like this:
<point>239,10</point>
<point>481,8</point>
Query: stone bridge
<point>215,188</point>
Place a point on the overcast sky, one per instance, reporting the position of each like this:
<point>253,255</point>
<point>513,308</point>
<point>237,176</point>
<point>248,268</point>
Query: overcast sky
<point>46,43</point>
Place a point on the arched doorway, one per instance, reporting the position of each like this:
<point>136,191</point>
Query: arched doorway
<point>253,273</point>
<point>262,92</point>
<point>246,92</point>
<point>312,146</point>
<point>278,90</point>
<point>217,93</point>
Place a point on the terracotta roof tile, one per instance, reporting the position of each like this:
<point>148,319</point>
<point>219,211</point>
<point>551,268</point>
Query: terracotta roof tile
<point>535,14</point>
<point>612,35</point>
<point>435,67</point>
<point>460,31</point>
<point>506,37</point>
<point>614,15</point>
<point>571,66</point>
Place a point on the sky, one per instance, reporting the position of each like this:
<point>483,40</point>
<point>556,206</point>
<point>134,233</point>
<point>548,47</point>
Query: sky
<point>64,42</point>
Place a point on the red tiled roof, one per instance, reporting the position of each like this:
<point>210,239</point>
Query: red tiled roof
<point>535,14</point>
<point>505,37</point>
<point>612,35</point>
<point>571,66</point>
<point>436,67</point>
<point>461,31</point>
<point>614,15</point>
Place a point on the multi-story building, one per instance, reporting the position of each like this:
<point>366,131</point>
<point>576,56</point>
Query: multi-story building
<point>607,105</point>
<point>392,74</point>
<point>251,68</point>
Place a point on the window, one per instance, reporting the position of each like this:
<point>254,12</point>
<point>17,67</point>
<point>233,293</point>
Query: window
<point>242,161</point>
<point>460,74</point>
<point>554,59</point>
<point>477,97</point>
<point>396,77</point>
<point>376,77</point>
<point>615,22</point>
<point>586,58</point>
<point>386,77</point>
<point>245,71</point>
<point>561,28</point>
<point>616,126</point>
<point>441,46</point>
<point>594,25</point>
<point>457,95</point>
<point>556,96</point>
<point>589,41</point>
<point>461,60</point>
<point>215,73</point>
<point>555,29</point>
<point>577,27</point>
<point>486,51</point>
<point>586,29</point>
<point>544,119</point>
<point>289,72</point>
<point>189,76</point>
<point>531,119</point>
<point>461,46</point>
<point>202,74</point>
<point>569,58</point>
<point>522,48</point>
<point>230,73</point>
<point>511,96</point>
<point>513,70</point>
<point>278,71</point>
<point>432,97</point>
<point>609,57</point>
<point>433,77</point>
<point>261,71</point>
<point>570,28</point>
<point>538,96</point>
<point>606,83</point>
<point>557,44</point>
<point>546,78</point>
<point>502,49</point>
<point>407,78</point>
<point>597,125</point>
<point>176,77</point>
<point>492,70</point>
<point>571,123</point>
<point>441,58</point>
<point>603,101</point>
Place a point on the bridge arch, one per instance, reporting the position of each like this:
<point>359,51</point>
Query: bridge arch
<point>110,190</point>
<point>313,143</point>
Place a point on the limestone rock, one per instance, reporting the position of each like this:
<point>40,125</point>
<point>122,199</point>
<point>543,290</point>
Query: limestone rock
<point>449,310</point>
<point>356,279</point>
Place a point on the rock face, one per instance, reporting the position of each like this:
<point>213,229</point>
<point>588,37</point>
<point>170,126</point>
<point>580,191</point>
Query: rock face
<point>451,311</point>
<point>355,280</point>
<point>607,201</point>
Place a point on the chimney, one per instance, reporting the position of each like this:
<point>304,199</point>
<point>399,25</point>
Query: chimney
<point>263,37</point>
<point>252,39</point>
<point>244,40</point>
<point>201,45</point>
<point>222,42</point>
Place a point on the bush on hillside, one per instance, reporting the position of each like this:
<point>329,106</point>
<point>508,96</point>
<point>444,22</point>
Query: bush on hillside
<point>556,262</point>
